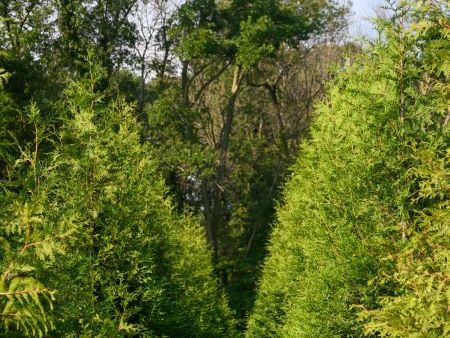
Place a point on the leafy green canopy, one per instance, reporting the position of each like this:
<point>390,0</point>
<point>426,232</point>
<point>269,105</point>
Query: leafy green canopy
<point>245,32</point>
<point>361,246</point>
<point>88,232</point>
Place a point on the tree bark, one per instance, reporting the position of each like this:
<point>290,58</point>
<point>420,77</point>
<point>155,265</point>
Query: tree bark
<point>217,199</point>
<point>210,226</point>
<point>228,114</point>
<point>281,126</point>
<point>185,84</point>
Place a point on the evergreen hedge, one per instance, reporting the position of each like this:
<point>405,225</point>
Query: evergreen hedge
<point>93,245</point>
<point>361,243</point>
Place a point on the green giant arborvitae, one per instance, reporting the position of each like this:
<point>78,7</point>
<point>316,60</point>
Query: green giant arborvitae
<point>361,244</point>
<point>95,238</point>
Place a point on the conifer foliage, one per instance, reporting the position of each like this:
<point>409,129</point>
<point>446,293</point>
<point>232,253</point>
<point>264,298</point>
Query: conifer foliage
<point>92,247</point>
<point>361,245</point>
<point>91,244</point>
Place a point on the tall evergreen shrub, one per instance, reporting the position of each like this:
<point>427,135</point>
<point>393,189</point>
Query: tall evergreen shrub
<point>361,244</point>
<point>115,256</point>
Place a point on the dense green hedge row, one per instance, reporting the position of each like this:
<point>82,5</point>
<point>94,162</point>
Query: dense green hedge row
<point>90,247</point>
<point>361,246</point>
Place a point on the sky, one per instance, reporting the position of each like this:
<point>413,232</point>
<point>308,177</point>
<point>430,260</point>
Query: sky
<point>363,11</point>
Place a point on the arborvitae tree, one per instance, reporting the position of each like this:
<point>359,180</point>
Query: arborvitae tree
<point>6,112</point>
<point>361,244</point>
<point>421,269</point>
<point>27,242</point>
<point>117,258</point>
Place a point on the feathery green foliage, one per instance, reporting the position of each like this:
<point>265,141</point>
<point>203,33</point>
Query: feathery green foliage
<point>29,242</point>
<point>134,267</point>
<point>420,305</point>
<point>91,243</point>
<point>364,226</point>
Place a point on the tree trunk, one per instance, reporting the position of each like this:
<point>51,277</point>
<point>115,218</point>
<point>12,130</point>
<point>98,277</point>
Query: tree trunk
<point>209,219</point>
<point>228,114</point>
<point>217,206</point>
<point>184,84</point>
<point>141,92</point>
<point>276,104</point>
